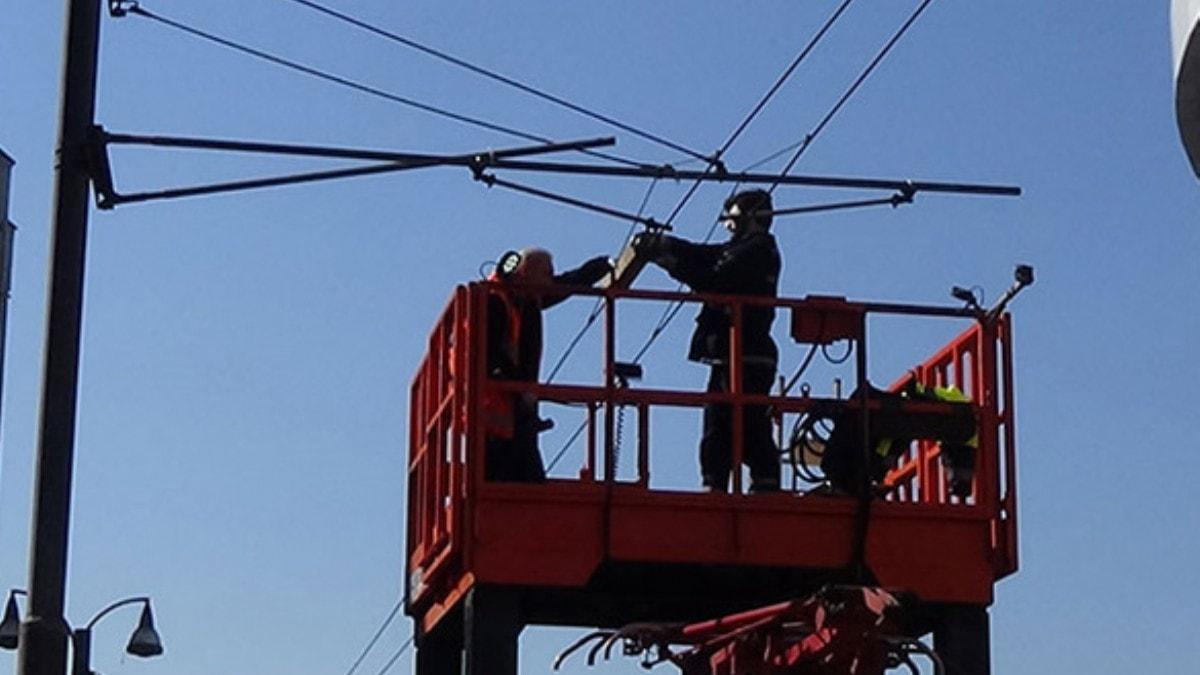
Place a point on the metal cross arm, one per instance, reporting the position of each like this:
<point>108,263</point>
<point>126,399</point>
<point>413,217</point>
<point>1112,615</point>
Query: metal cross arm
<point>389,161</point>
<point>897,199</point>
<point>909,187</point>
<point>491,180</point>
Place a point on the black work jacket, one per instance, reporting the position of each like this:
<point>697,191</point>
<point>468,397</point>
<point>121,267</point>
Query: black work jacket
<point>526,367</point>
<point>746,265</point>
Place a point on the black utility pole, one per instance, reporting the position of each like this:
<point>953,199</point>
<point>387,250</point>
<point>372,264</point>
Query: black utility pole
<point>43,642</point>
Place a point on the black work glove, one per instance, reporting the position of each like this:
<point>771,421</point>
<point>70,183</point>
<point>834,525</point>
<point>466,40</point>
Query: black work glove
<point>597,267</point>
<point>648,244</point>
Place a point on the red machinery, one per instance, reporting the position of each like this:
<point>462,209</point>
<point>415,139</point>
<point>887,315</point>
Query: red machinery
<point>841,630</point>
<point>485,559</point>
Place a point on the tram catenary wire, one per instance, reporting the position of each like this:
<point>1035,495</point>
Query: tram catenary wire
<point>503,79</point>
<point>737,132</point>
<point>788,72</point>
<point>137,10</point>
<point>597,308</point>
<point>758,107</point>
<point>672,311</point>
<point>808,138</point>
<point>904,195</point>
<point>599,305</point>
<point>396,656</point>
<point>378,633</point>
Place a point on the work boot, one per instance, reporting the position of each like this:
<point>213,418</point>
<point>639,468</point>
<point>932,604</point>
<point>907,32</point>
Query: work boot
<point>760,486</point>
<point>826,489</point>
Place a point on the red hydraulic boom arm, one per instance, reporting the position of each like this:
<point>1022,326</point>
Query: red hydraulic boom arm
<point>843,630</point>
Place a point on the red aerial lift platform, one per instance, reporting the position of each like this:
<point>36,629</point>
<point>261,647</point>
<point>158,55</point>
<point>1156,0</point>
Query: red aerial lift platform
<point>485,559</point>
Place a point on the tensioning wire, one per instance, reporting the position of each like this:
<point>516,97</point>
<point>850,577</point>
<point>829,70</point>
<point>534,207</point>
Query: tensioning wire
<point>497,77</point>
<point>138,10</point>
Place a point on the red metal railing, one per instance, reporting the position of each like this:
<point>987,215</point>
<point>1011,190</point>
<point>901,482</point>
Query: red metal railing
<point>979,363</point>
<point>446,437</point>
<point>438,436</point>
<point>920,476</point>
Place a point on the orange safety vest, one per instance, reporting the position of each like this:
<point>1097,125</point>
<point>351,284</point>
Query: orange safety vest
<point>498,416</point>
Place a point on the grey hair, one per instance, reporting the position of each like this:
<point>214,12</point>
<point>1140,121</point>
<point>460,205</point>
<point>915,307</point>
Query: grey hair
<point>535,252</point>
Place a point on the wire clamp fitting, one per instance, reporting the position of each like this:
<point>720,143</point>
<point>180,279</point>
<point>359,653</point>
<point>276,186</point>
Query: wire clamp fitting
<point>478,174</point>
<point>661,171</point>
<point>119,8</point>
<point>904,195</point>
<point>483,160</point>
<point>719,168</point>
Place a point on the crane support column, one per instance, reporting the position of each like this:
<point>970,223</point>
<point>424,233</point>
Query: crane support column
<point>492,623</point>
<point>440,652</point>
<point>961,639</point>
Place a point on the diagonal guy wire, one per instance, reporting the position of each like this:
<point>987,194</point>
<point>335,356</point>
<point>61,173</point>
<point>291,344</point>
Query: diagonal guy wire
<point>370,645</point>
<point>808,139</point>
<point>672,310</point>
<point>137,10</point>
<point>492,75</point>
<point>396,656</point>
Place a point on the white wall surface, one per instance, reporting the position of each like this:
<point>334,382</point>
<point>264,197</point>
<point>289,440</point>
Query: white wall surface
<point>1184,15</point>
<point>1185,38</point>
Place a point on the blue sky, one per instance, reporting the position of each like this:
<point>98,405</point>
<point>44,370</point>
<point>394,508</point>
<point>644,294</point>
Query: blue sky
<point>246,358</point>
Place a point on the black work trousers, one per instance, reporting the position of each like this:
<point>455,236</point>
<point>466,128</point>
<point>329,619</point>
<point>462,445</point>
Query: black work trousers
<point>716,445</point>
<point>517,459</point>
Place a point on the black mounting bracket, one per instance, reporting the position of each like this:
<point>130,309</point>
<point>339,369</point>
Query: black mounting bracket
<point>119,8</point>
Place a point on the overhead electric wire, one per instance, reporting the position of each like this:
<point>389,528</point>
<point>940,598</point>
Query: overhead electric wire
<point>595,313</point>
<point>812,43</point>
<point>804,364</point>
<point>672,311</point>
<point>786,74</point>
<point>669,314</point>
<point>503,79</point>
<point>905,189</point>
<point>567,446</point>
<point>396,656</point>
<point>591,319</point>
<point>862,519</point>
<point>808,139</point>
<point>138,10</point>
<point>370,645</point>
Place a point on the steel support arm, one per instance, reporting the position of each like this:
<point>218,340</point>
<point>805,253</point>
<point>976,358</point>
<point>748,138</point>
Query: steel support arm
<point>904,186</point>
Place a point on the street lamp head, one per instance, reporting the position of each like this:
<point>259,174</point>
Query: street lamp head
<point>145,641</point>
<point>10,627</point>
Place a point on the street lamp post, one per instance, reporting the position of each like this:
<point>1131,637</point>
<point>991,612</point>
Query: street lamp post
<point>144,641</point>
<point>42,646</point>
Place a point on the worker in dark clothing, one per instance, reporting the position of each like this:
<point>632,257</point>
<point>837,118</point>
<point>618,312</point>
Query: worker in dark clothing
<point>514,317</point>
<point>747,264</point>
